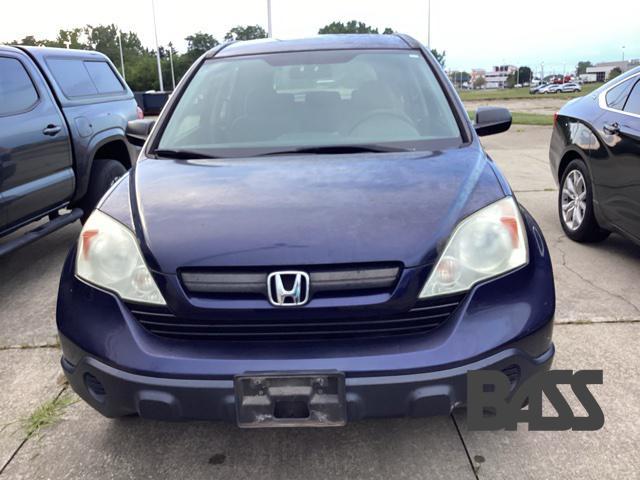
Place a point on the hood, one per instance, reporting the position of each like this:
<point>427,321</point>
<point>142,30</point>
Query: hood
<point>306,210</point>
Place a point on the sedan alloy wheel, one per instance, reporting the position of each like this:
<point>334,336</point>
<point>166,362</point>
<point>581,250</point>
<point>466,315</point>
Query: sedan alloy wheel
<point>574,200</point>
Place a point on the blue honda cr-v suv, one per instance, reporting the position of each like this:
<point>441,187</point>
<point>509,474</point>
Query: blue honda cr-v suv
<point>313,234</point>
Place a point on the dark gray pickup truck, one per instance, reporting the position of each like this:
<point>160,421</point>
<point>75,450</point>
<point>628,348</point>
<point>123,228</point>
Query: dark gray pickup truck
<point>63,117</point>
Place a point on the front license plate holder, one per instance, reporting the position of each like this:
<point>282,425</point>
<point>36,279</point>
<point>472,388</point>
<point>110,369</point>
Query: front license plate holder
<point>290,400</point>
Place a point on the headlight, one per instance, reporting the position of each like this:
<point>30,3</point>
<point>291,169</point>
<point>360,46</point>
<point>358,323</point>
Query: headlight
<point>109,257</point>
<point>490,242</point>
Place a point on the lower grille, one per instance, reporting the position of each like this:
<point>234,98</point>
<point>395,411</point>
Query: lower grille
<point>513,374</point>
<point>425,316</point>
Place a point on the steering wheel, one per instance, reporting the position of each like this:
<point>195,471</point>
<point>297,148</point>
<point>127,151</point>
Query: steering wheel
<point>384,113</point>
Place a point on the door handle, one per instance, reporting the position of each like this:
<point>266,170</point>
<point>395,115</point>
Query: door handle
<point>611,128</point>
<point>52,130</point>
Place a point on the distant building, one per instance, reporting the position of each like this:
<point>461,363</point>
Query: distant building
<point>497,77</point>
<point>475,74</point>
<point>603,69</point>
<point>587,77</point>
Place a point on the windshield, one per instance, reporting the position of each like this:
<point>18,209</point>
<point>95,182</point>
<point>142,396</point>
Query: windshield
<point>290,101</point>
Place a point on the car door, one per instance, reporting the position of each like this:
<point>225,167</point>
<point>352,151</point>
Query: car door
<point>36,170</point>
<point>616,166</point>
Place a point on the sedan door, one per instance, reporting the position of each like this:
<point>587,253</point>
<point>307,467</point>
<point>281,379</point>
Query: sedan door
<point>36,169</point>
<point>616,167</point>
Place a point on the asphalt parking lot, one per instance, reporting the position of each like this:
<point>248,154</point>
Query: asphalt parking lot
<point>597,327</point>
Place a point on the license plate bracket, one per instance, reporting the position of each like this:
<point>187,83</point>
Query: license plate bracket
<point>290,399</point>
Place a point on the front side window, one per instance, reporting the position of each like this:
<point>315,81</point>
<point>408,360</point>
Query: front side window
<point>17,92</point>
<point>262,103</point>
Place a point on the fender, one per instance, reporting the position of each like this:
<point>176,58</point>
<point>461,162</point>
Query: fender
<point>601,218</point>
<point>568,134</point>
<point>584,156</point>
<point>83,168</point>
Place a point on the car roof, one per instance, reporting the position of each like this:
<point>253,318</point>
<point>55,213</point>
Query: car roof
<point>62,52</point>
<point>319,42</point>
<point>7,48</point>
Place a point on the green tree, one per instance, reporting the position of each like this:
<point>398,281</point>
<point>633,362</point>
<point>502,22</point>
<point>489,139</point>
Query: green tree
<point>245,32</point>
<point>524,75</point>
<point>511,80</point>
<point>479,82</point>
<point>388,31</point>
<point>440,56</point>
<point>199,43</point>
<point>142,74</point>
<point>75,38</point>
<point>582,67</point>
<point>352,26</point>
<point>104,39</point>
<point>30,41</point>
<point>614,73</point>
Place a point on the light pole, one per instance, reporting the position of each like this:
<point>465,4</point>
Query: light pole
<point>124,77</point>
<point>429,24</point>
<point>155,31</point>
<point>269,31</point>
<point>623,53</point>
<point>173,76</point>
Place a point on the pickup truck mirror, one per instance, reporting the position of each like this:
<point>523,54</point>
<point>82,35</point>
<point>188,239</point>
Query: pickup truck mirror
<point>491,120</point>
<point>139,130</point>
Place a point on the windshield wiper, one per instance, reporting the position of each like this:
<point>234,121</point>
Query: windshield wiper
<point>339,149</point>
<point>181,154</point>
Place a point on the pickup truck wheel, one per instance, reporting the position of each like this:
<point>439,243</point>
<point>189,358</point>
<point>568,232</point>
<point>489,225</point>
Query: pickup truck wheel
<point>103,174</point>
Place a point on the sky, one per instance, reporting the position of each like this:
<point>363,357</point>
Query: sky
<point>474,34</point>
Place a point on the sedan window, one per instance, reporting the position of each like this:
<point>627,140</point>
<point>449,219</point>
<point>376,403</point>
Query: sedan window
<point>633,102</point>
<point>617,96</point>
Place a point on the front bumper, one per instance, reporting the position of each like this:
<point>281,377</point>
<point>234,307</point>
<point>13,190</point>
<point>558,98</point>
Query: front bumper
<point>115,392</point>
<point>121,368</point>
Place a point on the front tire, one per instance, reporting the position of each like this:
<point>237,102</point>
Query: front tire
<point>575,205</point>
<point>104,173</point>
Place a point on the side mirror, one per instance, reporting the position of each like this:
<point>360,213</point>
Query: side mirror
<point>491,120</point>
<point>139,130</point>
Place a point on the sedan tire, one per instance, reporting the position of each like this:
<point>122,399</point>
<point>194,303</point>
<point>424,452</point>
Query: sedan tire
<point>575,205</point>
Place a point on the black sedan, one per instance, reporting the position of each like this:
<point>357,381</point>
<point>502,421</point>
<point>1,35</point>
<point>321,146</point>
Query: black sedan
<point>595,158</point>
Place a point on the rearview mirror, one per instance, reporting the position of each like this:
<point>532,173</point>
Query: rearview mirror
<point>491,120</point>
<point>139,130</point>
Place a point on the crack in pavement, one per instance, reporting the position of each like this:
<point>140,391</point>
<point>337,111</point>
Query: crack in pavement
<point>25,440</point>
<point>464,445</point>
<point>598,322</point>
<point>29,346</point>
<point>533,157</point>
<point>563,260</point>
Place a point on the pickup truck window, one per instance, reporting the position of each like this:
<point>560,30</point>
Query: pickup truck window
<point>17,92</point>
<point>80,78</point>
<point>103,77</point>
